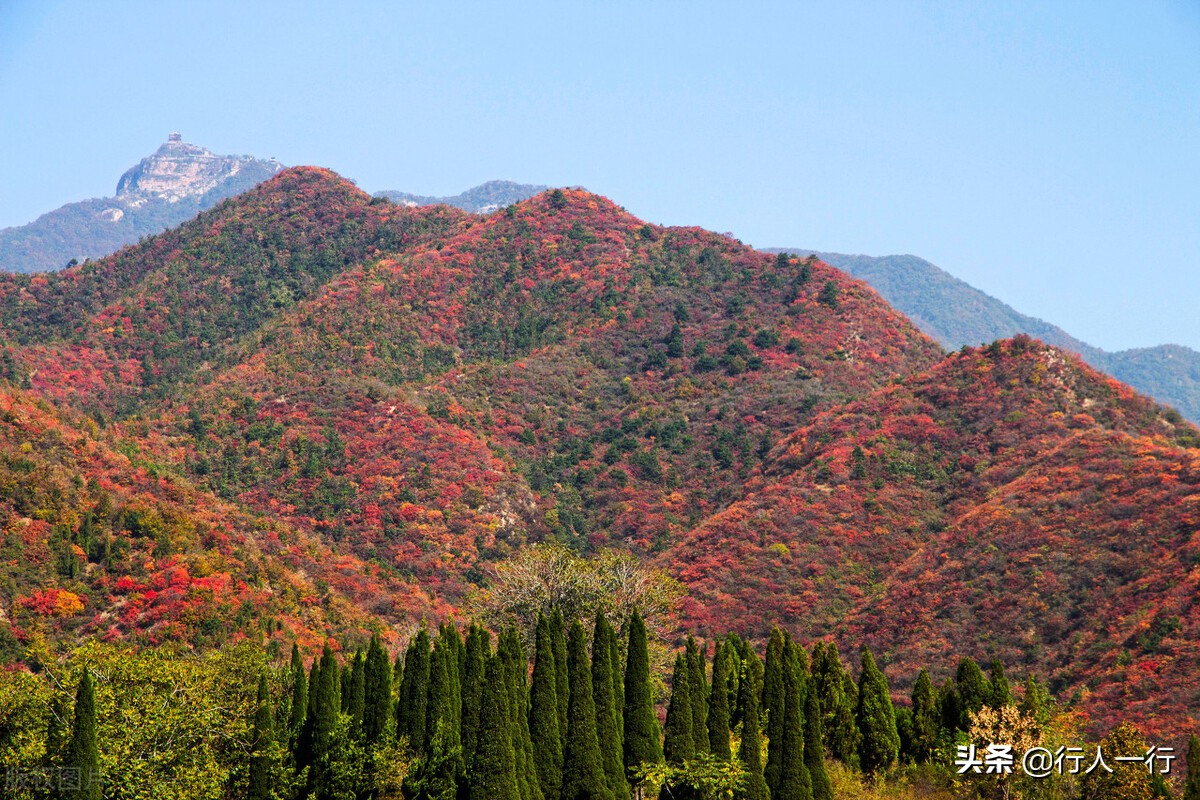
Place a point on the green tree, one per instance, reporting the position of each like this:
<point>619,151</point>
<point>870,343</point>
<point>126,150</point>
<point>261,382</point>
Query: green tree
<point>377,692</point>
<point>834,690</point>
<point>543,713</point>
<point>697,695</point>
<point>880,743</point>
<point>493,773</point>
<point>583,770</point>
<point>558,638</point>
<point>774,698</point>
<point>414,691</point>
<point>1127,781</point>
<point>925,719</point>
<point>718,704</point>
<point>1191,786</point>
<point>814,747</point>
<point>829,294</point>
<point>973,691</point>
<point>357,697</point>
<point>641,734</point>
<point>608,731</point>
<point>512,656</point>
<point>262,746</point>
<point>750,749</point>
<point>1001,694</point>
<point>679,742</point>
<point>324,725</point>
<point>795,783</point>
<point>83,754</point>
<point>477,647</point>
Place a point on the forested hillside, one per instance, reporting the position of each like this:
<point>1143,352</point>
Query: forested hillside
<point>310,415</point>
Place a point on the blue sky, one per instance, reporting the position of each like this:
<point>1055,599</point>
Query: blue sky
<point>1048,153</point>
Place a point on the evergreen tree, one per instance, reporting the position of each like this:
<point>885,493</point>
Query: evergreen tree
<point>733,672</point>
<point>439,699</point>
<point>718,705</point>
<point>478,646</point>
<point>641,735</point>
<point>543,713</point>
<point>583,770</point>
<point>325,715</point>
<point>973,691</point>
<point>1191,786</point>
<point>679,741</point>
<point>356,704</point>
<point>925,719</point>
<point>299,695</point>
<point>414,691</point>
<point>493,773</point>
<point>750,749</point>
<point>605,699</point>
<point>559,641</point>
<point>795,783</point>
<point>83,754</point>
<point>814,747</point>
<point>261,746</point>
<point>512,656</point>
<point>1001,694</point>
<point>880,743</point>
<point>440,769</point>
<point>614,656</point>
<point>948,706</point>
<point>837,696</point>
<point>773,701</point>
<point>377,692</point>
<point>698,695</point>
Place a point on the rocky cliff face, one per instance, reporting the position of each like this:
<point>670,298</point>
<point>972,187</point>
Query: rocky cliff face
<point>178,170</point>
<point>163,190</point>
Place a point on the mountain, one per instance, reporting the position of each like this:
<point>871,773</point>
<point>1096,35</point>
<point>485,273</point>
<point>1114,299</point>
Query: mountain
<point>163,190</point>
<point>315,413</point>
<point>957,314</point>
<point>483,199</point>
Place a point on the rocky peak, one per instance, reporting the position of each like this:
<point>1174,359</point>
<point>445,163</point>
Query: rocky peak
<point>179,169</point>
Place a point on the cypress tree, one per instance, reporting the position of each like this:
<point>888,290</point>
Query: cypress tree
<point>925,719</point>
<point>880,743</point>
<point>478,646</point>
<point>718,705</point>
<point>733,672</point>
<point>641,734</point>
<point>559,641</point>
<point>973,691</point>
<point>263,738</point>
<point>794,781</point>
<point>543,713</point>
<point>83,754</point>
<point>773,701</point>
<point>837,694</point>
<point>512,656</point>
<point>414,691</point>
<point>814,747</point>
<point>605,698</point>
<point>679,741</point>
<point>1001,694</point>
<point>325,714</point>
<point>438,701</point>
<point>299,695</point>
<point>1191,785</point>
<point>698,695</point>
<point>358,693</point>
<point>377,692</point>
<point>583,771</point>
<point>493,773</point>
<point>614,656</point>
<point>948,706</point>
<point>750,749</point>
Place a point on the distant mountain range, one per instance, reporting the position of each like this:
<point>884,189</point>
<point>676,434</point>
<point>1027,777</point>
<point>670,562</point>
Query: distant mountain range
<point>483,199</point>
<point>957,314</point>
<point>163,190</point>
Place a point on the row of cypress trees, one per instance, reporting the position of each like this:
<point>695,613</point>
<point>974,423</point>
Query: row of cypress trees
<point>583,728</point>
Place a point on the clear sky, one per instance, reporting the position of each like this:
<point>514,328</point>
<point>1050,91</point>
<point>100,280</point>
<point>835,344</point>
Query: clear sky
<point>1048,153</point>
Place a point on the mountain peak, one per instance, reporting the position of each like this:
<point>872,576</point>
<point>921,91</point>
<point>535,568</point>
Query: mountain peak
<point>179,169</point>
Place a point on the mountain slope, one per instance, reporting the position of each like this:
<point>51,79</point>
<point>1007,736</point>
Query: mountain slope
<point>956,314</point>
<point>161,191</point>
